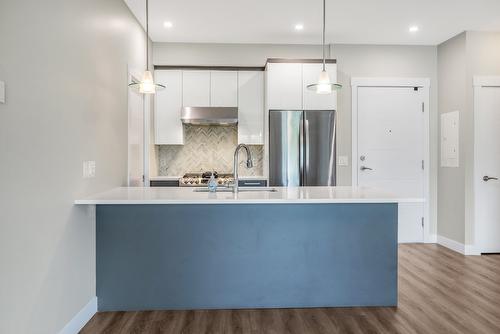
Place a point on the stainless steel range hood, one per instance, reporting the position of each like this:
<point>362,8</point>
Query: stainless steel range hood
<point>209,115</point>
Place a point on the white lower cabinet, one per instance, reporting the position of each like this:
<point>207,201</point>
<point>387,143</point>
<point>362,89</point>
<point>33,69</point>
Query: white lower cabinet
<point>251,107</point>
<point>168,104</point>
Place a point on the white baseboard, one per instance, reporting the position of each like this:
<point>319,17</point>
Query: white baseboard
<point>457,246</point>
<point>81,318</point>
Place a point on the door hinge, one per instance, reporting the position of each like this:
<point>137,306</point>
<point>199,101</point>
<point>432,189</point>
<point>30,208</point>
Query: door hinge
<point>423,106</point>
<point>423,165</point>
<point>143,178</point>
<point>422,222</point>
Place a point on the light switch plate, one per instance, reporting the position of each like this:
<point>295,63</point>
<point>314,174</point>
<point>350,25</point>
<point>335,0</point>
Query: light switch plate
<point>2,92</point>
<point>89,169</point>
<point>343,160</point>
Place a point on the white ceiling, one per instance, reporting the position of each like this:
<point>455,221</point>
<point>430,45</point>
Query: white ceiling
<point>348,21</point>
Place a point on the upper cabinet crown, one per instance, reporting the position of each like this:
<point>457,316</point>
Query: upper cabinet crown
<point>287,87</point>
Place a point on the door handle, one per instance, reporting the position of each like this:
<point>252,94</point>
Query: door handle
<point>486,178</point>
<point>365,168</point>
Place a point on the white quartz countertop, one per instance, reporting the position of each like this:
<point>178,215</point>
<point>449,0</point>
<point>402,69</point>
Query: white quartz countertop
<point>283,195</point>
<point>168,178</point>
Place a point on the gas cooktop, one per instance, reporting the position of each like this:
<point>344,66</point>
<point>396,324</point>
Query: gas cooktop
<point>201,179</point>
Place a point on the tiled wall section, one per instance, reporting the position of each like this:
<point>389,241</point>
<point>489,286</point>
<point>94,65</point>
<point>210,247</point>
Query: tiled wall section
<point>207,148</point>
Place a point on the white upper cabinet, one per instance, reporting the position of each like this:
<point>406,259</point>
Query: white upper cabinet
<point>223,89</point>
<point>313,101</point>
<point>284,86</point>
<point>196,88</point>
<point>167,112</point>
<point>251,107</point>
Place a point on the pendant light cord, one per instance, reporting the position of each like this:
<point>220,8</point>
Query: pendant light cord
<point>147,35</point>
<point>324,24</point>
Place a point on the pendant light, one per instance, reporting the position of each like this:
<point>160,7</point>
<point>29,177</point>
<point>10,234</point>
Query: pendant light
<point>147,85</point>
<point>324,85</point>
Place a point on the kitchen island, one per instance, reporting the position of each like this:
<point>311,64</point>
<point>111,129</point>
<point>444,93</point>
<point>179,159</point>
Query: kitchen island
<point>174,248</point>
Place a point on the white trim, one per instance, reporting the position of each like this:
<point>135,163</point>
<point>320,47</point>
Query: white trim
<point>390,82</point>
<point>432,239</point>
<point>81,318</point>
<point>424,83</point>
<point>457,246</point>
<point>472,250</point>
<point>486,81</point>
<point>134,74</point>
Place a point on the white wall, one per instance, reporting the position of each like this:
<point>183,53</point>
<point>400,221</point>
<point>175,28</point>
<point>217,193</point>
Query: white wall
<point>228,54</point>
<point>385,61</point>
<point>353,60</point>
<point>452,96</point>
<point>460,59</point>
<point>65,67</point>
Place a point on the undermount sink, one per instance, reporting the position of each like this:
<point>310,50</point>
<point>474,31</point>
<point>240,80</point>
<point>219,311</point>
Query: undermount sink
<point>240,189</point>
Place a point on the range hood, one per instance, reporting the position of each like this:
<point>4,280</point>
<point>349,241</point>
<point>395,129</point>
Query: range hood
<point>209,115</point>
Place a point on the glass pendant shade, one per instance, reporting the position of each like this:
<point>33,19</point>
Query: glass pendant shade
<point>147,85</point>
<point>324,86</point>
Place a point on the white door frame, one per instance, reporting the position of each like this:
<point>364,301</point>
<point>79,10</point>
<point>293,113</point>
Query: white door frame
<point>424,83</point>
<point>478,83</point>
<point>134,75</point>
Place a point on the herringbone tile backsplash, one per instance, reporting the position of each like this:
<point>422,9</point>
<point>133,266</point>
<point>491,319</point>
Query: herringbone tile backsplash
<point>207,148</point>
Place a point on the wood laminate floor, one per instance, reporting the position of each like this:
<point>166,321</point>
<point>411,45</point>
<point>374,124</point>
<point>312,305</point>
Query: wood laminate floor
<point>440,291</point>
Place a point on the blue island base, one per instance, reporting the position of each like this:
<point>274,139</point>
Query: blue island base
<point>161,257</point>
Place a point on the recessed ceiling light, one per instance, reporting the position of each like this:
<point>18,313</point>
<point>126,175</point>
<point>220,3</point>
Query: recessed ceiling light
<point>299,26</point>
<point>413,28</point>
<point>168,24</point>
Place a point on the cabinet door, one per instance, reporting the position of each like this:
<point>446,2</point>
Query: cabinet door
<point>251,107</point>
<point>223,89</point>
<point>168,104</point>
<point>196,88</point>
<point>284,83</point>
<point>313,101</point>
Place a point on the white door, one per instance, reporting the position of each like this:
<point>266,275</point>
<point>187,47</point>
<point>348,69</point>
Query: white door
<point>487,167</point>
<point>390,150</point>
<point>135,138</point>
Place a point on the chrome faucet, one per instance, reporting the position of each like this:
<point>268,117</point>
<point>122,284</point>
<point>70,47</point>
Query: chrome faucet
<point>237,162</point>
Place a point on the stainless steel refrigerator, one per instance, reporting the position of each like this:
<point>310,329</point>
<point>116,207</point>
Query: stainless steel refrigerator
<point>302,148</point>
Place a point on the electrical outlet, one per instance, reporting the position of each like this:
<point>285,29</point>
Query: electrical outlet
<point>2,92</point>
<point>89,169</point>
<point>343,160</point>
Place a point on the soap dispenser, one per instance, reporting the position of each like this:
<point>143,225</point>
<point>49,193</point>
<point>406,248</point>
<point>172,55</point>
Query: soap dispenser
<point>212,184</point>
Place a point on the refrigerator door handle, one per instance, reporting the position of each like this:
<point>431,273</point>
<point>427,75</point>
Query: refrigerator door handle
<point>306,150</point>
<point>301,151</point>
